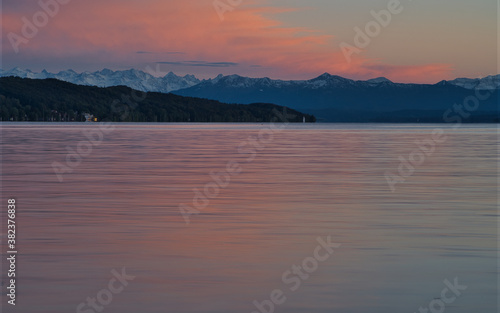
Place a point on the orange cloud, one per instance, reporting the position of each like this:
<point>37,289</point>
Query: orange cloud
<point>113,30</point>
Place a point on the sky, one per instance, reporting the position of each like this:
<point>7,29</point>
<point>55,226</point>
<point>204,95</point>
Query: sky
<point>420,41</point>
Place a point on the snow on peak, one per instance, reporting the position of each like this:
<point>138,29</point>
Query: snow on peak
<point>491,82</point>
<point>143,81</point>
<point>132,78</point>
<point>327,80</point>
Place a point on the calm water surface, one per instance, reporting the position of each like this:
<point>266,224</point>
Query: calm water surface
<point>120,208</point>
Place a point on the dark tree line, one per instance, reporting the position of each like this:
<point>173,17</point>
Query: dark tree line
<point>23,99</point>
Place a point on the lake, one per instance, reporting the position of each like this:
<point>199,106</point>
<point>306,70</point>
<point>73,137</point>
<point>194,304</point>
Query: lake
<point>224,218</point>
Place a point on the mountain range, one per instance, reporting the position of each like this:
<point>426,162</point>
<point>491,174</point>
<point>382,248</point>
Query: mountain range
<point>336,99</point>
<point>132,78</point>
<point>143,81</point>
<point>329,97</point>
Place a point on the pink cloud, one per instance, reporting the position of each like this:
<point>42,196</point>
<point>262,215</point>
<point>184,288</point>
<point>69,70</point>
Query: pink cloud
<point>112,30</point>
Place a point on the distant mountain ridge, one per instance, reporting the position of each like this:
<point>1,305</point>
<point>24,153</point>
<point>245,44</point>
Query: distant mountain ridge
<point>330,98</point>
<point>144,81</point>
<point>333,98</point>
<point>132,78</point>
<point>491,82</point>
<point>323,81</point>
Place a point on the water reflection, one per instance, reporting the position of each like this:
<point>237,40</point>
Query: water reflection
<point>119,207</point>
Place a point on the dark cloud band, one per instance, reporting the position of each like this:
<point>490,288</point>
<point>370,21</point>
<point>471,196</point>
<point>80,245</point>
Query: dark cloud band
<point>201,63</point>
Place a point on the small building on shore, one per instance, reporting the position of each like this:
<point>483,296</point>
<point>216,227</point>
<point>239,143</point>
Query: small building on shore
<point>89,118</point>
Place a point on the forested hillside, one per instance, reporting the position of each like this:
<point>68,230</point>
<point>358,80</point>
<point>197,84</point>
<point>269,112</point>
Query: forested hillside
<point>23,99</point>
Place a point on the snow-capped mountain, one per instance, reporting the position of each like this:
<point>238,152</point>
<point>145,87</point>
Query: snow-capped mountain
<point>143,81</point>
<point>323,81</point>
<point>327,80</point>
<point>338,99</point>
<point>135,79</point>
<point>487,83</point>
<point>329,97</point>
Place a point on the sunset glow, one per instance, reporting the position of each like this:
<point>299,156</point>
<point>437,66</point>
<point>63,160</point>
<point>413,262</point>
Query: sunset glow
<point>256,38</point>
